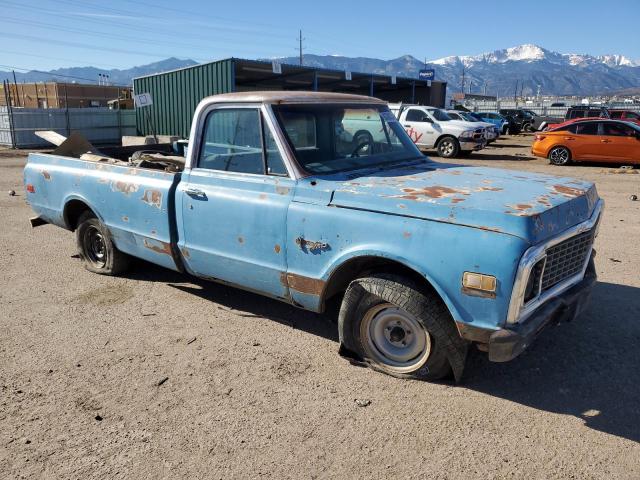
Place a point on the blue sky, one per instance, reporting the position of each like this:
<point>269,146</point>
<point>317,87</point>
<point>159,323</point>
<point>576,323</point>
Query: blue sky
<point>46,34</point>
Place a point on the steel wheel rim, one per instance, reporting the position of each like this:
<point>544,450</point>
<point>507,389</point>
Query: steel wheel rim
<point>446,147</point>
<point>394,338</point>
<point>95,246</point>
<point>559,155</point>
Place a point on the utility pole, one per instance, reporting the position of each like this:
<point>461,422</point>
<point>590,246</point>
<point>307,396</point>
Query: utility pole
<point>515,94</point>
<point>300,39</point>
<point>462,90</point>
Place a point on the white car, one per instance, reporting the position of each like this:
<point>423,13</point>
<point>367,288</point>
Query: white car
<point>491,132</point>
<point>431,127</point>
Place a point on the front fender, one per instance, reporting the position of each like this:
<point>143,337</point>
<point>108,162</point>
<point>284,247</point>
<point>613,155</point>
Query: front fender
<point>440,252</point>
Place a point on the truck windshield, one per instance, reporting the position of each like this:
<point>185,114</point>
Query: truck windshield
<point>330,138</point>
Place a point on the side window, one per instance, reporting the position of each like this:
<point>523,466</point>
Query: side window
<point>414,115</point>
<point>232,141</point>
<point>454,115</point>
<point>587,128</point>
<point>275,164</point>
<point>616,114</point>
<point>632,115</point>
<point>571,128</point>
<point>617,130</point>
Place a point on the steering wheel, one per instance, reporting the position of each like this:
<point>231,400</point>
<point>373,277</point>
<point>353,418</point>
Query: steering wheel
<point>360,147</point>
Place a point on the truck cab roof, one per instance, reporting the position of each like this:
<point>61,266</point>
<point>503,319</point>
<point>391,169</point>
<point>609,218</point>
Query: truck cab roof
<point>280,97</point>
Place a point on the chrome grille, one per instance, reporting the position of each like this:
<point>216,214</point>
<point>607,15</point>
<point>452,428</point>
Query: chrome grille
<point>566,259</point>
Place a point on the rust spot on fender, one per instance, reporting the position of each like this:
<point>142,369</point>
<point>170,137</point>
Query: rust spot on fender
<point>489,229</point>
<point>124,187</point>
<point>521,206</point>
<point>185,253</point>
<point>310,286</point>
<point>276,248</point>
<point>153,198</point>
<point>240,240</point>
<point>492,189</point>
<point>263,196</point>
<point>457,200</point>
<point>46,175</point>
<point>282,190</point>
<point>568,192</point>
<point>406,234</point>
<point>125,218</point>
<point>162,247</point>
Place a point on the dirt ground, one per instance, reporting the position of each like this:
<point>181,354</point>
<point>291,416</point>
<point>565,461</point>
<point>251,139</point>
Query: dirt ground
<point>159,375</point>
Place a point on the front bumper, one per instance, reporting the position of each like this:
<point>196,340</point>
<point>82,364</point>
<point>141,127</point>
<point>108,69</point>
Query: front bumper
<point>472,144</point>
<point>507,343</point>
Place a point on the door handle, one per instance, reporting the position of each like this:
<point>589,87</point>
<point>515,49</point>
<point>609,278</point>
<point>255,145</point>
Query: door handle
<point>194,192</point>
<point>604,140</point>
<point>407,125</point>
<point>569,138</point>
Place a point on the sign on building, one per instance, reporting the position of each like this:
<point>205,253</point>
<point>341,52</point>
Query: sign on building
<point>347,75</point>
<point>142,100</point>
<point>427,74</point>
<point>276,67</point>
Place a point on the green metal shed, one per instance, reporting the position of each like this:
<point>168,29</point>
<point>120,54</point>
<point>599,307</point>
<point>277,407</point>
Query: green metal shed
<point>176,93</point>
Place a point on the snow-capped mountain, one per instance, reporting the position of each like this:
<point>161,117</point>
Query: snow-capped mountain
<point>497,72</point>
<point>533,53</point>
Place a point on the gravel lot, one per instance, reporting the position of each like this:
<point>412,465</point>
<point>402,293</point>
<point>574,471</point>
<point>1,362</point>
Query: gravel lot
<point>158,375</point>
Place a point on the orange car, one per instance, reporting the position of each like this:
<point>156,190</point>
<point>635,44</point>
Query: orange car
<point>596,140</point>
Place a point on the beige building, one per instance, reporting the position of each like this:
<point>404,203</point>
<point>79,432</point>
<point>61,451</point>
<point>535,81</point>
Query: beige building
<point>61,95</point>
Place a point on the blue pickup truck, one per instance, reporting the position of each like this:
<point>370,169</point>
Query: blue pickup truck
<point>275,197</point>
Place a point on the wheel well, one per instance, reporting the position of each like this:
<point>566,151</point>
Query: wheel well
<point>367,265</point>
<point>444,136</point>
<point>72,212</point>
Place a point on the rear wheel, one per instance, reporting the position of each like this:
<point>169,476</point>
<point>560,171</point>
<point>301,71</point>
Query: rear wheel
<point>559,156</point>
<point>96,249</point>
<point>393,327</point>
<point>448,147</point>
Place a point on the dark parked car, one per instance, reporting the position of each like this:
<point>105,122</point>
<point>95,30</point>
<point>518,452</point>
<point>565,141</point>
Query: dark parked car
<point>523,118</point>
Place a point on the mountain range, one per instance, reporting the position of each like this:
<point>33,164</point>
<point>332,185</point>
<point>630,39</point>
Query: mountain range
<point>531,66</point>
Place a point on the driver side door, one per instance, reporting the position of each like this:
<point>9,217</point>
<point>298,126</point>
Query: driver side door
<point>234,203</point>
<point>420,127</point>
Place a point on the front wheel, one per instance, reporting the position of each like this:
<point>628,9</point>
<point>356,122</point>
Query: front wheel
<point>559,156</point>
<point>392,326</point>
<point>96,249</point>
<point>448,147</point>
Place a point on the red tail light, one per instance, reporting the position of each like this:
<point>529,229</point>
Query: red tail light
<point>31,188</point>
<point>539,137</point>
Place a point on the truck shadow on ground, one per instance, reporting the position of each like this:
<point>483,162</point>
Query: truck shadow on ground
<point>587,369</point>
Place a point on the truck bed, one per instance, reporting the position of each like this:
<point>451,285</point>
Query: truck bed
<point>136,204</point>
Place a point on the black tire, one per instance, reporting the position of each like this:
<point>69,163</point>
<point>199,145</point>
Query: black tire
<point>527,127</point>
<point>448,147</point>
<point>367,312</point>
<point>559,156</point>
<point>96,249</point>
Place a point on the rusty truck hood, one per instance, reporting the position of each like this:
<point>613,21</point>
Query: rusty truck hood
<point>528,205</point>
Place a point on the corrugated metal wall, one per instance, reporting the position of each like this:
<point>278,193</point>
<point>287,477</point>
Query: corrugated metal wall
<point>98,125</point>
<point>176,94</point>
